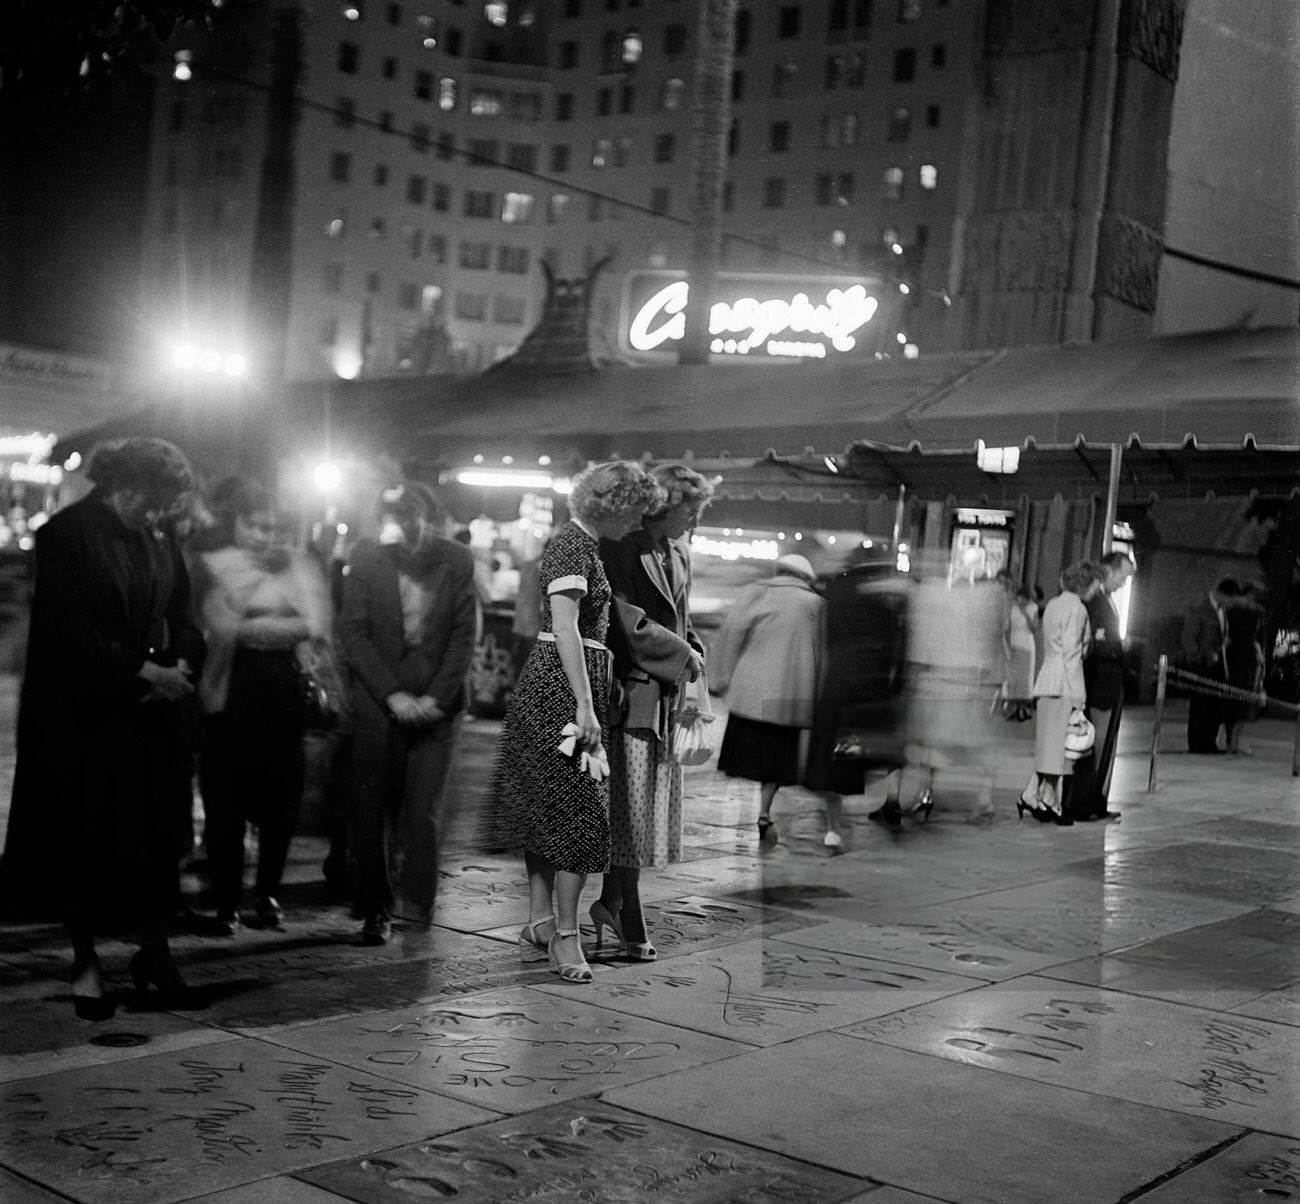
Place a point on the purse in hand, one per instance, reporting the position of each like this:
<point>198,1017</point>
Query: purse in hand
<point>324,695</point>
<point>1080,735</point>
<point>693,740</point>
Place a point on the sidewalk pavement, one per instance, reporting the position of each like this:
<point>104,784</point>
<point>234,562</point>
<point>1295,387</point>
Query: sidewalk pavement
<point>1010,1012</point>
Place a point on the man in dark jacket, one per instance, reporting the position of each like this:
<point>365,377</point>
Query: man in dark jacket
<point>1103,674</point>
<point>1204,630</point>
<point>407,627</point>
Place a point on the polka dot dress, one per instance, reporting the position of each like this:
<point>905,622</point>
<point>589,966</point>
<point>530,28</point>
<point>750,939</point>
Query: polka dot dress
<point>645,805</point>
<point>540,801</point>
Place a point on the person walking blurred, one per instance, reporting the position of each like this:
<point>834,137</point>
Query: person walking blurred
<point>550,790</point>
<point>259,602</point>
<point>766,660</point>
<point>1022,662</point>
<point>91,836</point>
<point>407,628</point>
<point>1059,690</point>
<point>1205,632</point>
<point>656,650</point>
<point>1103,675</point>
<point>1244,658</point>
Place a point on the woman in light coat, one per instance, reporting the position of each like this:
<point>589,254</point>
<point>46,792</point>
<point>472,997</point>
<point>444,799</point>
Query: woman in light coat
<point>766,660</point>
<point>1059,689</point>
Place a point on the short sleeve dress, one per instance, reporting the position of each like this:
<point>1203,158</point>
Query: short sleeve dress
<point>540,800</point>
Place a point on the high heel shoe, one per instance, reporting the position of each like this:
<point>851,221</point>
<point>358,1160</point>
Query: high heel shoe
<point>766,830</point>
<point>602,918</point>
<point>530,944</point>
<point>923,804</point>
<point>1023,804</point>
<point>576,972</point>
<point>90,1004</point>
<point>149,967</point>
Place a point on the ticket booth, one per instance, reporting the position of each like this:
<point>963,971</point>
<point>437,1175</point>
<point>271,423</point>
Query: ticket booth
<point>981,543</point>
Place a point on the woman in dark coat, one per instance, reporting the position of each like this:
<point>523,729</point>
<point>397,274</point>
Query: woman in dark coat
<point>110,654</point>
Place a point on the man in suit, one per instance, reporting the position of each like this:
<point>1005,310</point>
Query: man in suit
<point>1203,645</point>
<point>407,627</point>
<point>1103,672</point>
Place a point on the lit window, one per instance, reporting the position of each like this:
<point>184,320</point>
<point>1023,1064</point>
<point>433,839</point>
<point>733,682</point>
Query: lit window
<point>446,94</point>
<point>632,47</point>
<point>336,228</point>
<point>600,152</point>
<point>671,96</point>
<point>929,177</point>
<point>497,13</point>
<point>352,12</point>
<point>517,207</point>
<point>430,295</point>
<point>838,239</point>
<point>848,129</point>
<point>485,102</point>
<point>556,207</point>
<point>892,183</point>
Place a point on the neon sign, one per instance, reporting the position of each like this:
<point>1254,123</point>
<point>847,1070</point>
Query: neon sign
<point>788,318</point>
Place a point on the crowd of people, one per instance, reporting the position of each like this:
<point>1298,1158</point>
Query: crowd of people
<point>173,641</point>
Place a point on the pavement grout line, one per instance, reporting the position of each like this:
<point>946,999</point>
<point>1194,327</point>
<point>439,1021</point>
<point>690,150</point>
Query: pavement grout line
<point>1187,1164</point>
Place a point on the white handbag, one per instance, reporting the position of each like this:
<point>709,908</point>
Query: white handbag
<point>692,741</point>
<point>1080,735</point>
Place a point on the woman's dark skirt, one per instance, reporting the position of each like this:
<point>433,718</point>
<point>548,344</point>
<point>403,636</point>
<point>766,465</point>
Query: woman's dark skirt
<point>761,752</point>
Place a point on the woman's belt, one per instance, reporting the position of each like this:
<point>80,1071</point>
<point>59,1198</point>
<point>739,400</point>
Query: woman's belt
<point>550,637</point>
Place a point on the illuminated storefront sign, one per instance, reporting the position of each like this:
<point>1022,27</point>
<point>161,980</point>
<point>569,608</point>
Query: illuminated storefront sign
<point>734,549</point>
<point>785,317</point>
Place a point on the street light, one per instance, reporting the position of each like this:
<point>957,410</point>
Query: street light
<point>327,476</point>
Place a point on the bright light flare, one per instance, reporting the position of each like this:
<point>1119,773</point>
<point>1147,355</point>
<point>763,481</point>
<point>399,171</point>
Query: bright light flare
<point>327,476</point>
<point>209,360</point>
<point>185,356</point>
<point>235,365</point>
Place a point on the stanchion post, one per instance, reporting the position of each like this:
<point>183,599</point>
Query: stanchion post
<point>1161,677</point>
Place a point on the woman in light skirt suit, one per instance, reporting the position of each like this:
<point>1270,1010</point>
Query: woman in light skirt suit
<point>1059,689</point>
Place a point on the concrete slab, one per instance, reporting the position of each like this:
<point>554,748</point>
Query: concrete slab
<point>280,1190</point>
<point>176,1125</point>
<point>1237,873</point>
<point>586,1150</point>
<point>510,1050</point>
<point>1281,1006</point>
<point>15,1190</point>
<point>1168,1055</point>
<point>1256,1168</point>
<point>926,1125</point>
<point>765,992</point>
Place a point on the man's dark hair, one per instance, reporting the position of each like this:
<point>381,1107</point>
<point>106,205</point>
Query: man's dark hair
<point>1112,560</point>
<point>1229,587</point>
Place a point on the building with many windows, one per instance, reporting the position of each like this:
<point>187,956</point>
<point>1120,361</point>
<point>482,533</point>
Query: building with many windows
<point>440,150</point>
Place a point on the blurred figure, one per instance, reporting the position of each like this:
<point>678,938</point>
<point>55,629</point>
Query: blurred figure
<point>956,665</point>
<point>550,793</point>
<point>92,827</point>
<point>766,661</point>
<point>1244,656</point>
<point>1022,659</point>
<point>1059,690</point>
<point>655,651</point>
<point>407,628</point>
<point>258,602</point>
<point>1103,675</point>
<point>1205,632</point>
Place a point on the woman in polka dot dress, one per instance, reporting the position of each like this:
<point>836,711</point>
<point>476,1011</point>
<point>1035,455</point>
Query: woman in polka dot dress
<point>556,806</point>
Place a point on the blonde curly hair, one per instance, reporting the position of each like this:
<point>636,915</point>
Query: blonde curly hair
<point>605,491</point>
<point>681,484</point>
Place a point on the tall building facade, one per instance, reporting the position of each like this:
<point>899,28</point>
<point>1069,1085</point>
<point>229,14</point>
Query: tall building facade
<point>442,149</point>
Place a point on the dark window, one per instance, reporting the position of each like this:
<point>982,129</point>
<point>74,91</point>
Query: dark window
<point>420,138</point>
<point>904,65</point>
<point>408,295</point>
<point>733,137</point>
<point>573,8</point>
<point>390,68</point>
<point>340,167</point>
<point>783,78</point>
<point>446,146</point>
<point>424,85</point>
<point>844,192</point>
<point>441,197</point>
<point>674,39</point>
<point>664,148</point>
<point>436,248</point>
<point>825,190</point>
<point>595,207</point>
<point>932,114</point>
<point>909,10</point>
<point>737,85</point>
<point>774,193</point>
<point>604,102</point>
<point>838,17</point>
<point>476,255</point>
<point>560,157</point>
<point>386,121</point>
<point>394,14</point>
<point>416,186</point>
<point>380,175</point>
<point>744,25</point>
<point>862,12</point>
<point>660,200</point>
<point>453,44</point>
<point>938,55</point>
<point>480,203</point>
<point>568,55</point>
<point>564,106</point>
<point>373,282</point>
<point>778,136</point>
<point>857,70</point>
<point>788,21</point>
<point>522,156</point>
<point>345,112</point>
<point>728,196</point>
<point>484,152</point>
<point>513,260</point>
<point>349,57</point>
<point>833,73</point>
<point>899,127</point>
<point>626,98</point>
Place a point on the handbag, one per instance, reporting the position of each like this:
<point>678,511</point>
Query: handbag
<point>692,741</point>
<point>1080,735</point>
<point>323,695</point>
